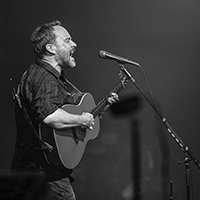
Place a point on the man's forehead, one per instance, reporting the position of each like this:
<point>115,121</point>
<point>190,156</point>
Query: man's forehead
<point>61,32</point>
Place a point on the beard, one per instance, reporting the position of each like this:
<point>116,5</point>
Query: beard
<point>65,60</point>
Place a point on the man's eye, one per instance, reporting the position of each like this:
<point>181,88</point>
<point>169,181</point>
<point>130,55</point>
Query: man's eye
<point>67,40</point>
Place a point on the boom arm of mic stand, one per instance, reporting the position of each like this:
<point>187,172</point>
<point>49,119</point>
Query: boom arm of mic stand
<point>184,148</point>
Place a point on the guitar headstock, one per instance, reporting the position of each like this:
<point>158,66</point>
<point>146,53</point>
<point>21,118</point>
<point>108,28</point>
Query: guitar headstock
<point>123,78</point>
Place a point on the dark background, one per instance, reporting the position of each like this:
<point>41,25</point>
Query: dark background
<point>133,155</point>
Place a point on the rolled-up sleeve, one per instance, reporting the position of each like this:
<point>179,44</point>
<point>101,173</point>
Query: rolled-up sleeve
<point>47,99</point>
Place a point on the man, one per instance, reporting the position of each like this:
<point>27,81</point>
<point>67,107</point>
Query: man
<point>42,91</point>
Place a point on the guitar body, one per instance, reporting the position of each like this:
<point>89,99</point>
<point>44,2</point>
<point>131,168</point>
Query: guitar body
<point>67,149</point>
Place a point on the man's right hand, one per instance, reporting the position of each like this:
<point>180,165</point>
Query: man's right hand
<point>88,120</point>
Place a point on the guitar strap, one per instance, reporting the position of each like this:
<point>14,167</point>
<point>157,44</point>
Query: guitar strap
<point>19,103</point>
<point>74,91</point>
<point>69,84</point>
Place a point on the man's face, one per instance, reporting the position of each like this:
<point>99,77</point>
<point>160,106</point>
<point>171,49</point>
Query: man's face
<point>65,48</point>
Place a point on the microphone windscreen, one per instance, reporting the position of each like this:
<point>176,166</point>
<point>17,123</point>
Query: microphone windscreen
<point>102,54</point>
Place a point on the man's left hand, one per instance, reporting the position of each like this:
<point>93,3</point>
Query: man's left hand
<point>113,98</point>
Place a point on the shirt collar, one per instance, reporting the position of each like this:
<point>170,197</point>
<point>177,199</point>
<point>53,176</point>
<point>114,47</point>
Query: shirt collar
<point>49,68</point>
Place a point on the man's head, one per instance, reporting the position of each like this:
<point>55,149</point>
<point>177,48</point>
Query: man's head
<point>53,40</point>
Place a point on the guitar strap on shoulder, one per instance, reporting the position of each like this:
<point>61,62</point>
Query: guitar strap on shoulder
<point>19,103</point>
<point>74,91</point>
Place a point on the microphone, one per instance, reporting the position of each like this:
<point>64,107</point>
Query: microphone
<point>107,55</point>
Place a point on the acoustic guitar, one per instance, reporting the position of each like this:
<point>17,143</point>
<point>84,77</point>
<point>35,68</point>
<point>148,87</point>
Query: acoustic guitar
<point>69,144</point>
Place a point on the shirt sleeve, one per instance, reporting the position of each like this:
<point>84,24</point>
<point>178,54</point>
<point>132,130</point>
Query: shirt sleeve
<point>47,100</point>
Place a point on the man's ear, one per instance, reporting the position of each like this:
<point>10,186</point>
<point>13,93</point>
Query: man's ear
<point>51,48</point>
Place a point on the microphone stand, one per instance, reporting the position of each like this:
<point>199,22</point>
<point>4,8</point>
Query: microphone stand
<point>188,154</point>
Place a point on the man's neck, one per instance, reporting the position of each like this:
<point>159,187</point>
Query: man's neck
<point>52,62</point>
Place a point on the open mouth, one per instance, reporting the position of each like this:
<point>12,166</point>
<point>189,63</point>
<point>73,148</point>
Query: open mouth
<point>72,53</point>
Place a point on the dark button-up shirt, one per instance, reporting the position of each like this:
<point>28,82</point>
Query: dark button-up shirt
<point>43,90</point>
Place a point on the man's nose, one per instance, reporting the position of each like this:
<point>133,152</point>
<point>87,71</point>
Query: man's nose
<point>74,44</point>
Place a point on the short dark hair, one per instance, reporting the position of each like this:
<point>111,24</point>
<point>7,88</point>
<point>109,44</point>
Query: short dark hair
<point>43,35</point>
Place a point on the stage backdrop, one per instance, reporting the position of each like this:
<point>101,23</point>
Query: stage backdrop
<point>134,155</point>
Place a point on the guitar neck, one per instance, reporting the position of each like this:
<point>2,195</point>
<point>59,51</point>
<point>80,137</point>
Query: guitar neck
<point>100,106</point>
